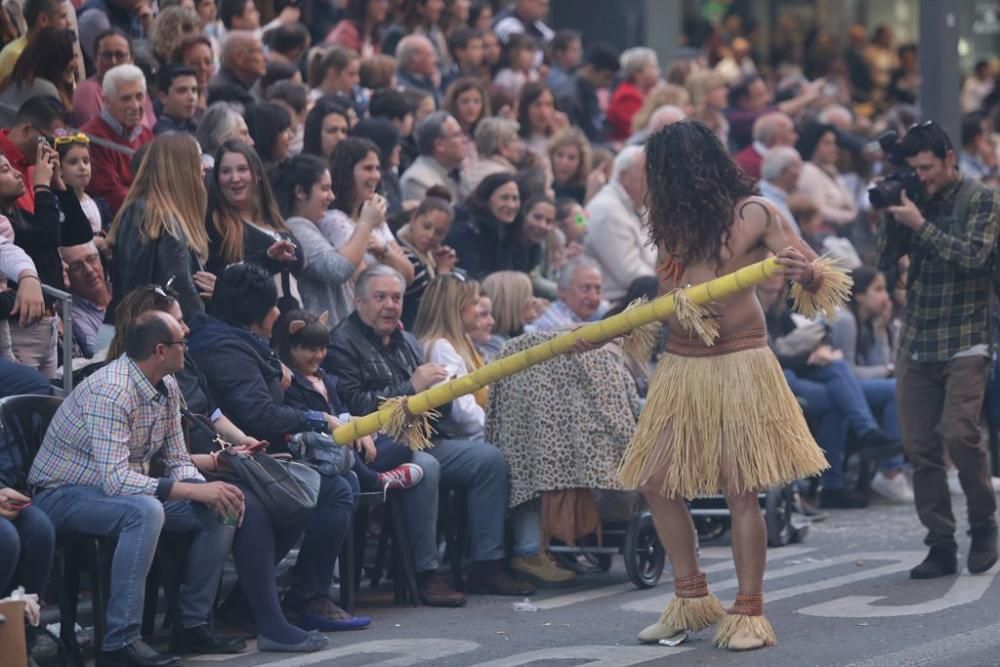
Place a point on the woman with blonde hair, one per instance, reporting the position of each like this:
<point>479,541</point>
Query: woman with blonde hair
<point>708,100</point>
<point>173,26</point>
<point>513,307</point>
<point>159,236</point>
<point>569,155</point>
<point>661,96</point>
<point>448,312</point>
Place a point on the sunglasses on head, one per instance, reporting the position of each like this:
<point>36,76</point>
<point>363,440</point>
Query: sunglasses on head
<point>78,138</point>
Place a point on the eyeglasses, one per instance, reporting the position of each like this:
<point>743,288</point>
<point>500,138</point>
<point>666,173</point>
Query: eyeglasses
<point>93,260</point>
<point>182,342</point>
<point>78,138</point>
<point>113,55</point>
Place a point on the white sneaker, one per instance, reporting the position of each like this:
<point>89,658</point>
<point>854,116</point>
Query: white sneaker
<point>954,486</point>
<point>895,490</point>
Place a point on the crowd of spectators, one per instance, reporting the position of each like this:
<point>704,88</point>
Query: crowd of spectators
<point>284,213</point>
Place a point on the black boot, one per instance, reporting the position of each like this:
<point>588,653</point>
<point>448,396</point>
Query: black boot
<point>983,550</point>
<point>940,562</point>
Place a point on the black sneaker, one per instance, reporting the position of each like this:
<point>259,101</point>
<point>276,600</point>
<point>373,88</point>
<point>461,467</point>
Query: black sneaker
<point>842,499</point>
<point>983,550</point>
<point>201,639</point>
<point>876,445</point>
<point>941,561</point>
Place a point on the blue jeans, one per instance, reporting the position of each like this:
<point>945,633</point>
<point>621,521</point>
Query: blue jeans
<point>831,429</point>
<point>324,534</point>
<point>480,468</point>
<point>846,393</point>
<point>16,379</point>
<point>137,521</point>
<point>881,396</point>
<point>27,547</point>
<point>526,525</point>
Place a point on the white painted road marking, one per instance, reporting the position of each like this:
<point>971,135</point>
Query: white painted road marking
<point>966,589</point>
<point>410,652</point>
<point>596,656</point>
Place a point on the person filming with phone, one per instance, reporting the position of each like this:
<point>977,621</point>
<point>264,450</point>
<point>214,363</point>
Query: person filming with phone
<point>948,225</point>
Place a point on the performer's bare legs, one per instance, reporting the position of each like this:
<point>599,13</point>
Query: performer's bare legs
<point>677,534</point>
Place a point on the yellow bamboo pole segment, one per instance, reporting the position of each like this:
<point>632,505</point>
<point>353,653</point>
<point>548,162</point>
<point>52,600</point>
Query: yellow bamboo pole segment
<point>657,310</point>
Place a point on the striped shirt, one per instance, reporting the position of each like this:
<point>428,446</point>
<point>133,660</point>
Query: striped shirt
<point>950,277</point>
<point>108,430</point>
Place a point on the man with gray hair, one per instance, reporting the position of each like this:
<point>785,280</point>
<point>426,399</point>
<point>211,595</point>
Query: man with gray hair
<point>91,297</point>
<point>580,297</point>
<point>120,125</point>
<point>243,63</point>
<point>769,130</point>
<point>640,70</point>
<point>417,66</point>
<point>780,172</point>
<point>441,142</point>
<point>374,359</point>
<point>616,235</point>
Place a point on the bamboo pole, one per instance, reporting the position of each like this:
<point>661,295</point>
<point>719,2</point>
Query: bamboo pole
<point>398,416</point>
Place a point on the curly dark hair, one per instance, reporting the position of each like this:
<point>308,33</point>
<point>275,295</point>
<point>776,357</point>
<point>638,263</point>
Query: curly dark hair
<point>693,186</point>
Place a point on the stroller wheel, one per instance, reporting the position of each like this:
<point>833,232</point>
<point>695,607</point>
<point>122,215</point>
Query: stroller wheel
<point>644,555</point>
<point>778,505</point>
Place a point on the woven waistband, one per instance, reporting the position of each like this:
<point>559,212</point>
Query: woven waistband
<point>735,341</point>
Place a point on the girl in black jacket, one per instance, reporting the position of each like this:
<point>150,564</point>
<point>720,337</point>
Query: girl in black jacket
<point>300,338</point>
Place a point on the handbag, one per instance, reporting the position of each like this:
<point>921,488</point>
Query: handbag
<point>288,490</point>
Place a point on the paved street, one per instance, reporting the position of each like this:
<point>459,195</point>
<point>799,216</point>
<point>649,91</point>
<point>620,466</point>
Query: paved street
<point>840,598</point>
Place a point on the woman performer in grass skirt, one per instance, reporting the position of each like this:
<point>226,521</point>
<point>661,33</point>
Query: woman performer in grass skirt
<point>720,417</point>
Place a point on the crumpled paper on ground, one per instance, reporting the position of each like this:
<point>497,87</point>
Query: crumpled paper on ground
<point>32,610</point>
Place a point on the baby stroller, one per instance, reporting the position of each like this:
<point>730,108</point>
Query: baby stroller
<point>627,529</point>
<point>782,514</point>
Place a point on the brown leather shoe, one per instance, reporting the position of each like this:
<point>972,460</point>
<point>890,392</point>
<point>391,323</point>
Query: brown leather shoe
<point>489,578</point>
<point>436,592</point>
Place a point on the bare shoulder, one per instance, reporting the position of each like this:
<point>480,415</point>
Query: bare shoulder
<point>757,211</point>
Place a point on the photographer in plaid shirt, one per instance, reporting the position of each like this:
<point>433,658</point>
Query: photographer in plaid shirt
<point>945,348</point>
<point>91,475</point>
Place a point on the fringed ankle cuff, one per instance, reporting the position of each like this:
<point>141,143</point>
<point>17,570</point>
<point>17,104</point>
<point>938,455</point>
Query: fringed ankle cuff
<point>691,613</point>
<point>829,290</point>
<point>744,626</point>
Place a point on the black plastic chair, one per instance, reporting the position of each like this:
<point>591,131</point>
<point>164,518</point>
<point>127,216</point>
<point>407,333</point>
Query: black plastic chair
<point>24,421</point>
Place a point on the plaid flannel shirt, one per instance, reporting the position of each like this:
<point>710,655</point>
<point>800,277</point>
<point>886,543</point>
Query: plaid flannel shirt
<point>108,430</point>
<point>951,275</point>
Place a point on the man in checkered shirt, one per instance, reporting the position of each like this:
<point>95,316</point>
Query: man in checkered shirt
<point>945,350</point>
<point>92,475</point>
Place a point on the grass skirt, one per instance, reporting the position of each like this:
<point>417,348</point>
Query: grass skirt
<point>715,415</point>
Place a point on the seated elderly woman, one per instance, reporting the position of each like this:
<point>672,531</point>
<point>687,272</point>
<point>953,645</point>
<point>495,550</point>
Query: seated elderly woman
<point>249,381</point>
<point>498,147</point>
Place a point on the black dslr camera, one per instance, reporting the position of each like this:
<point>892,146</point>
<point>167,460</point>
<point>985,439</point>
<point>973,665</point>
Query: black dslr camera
<point>899,176</point>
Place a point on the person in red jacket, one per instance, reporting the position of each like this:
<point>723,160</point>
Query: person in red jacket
<point>640,72</point>
<point>117,133</point>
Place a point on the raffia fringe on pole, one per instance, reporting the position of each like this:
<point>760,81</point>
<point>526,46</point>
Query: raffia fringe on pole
<point>831,291</point>
<point>702,410</point>
<point>695,319</point>
<point>641,341</point>
<point>408,429</point>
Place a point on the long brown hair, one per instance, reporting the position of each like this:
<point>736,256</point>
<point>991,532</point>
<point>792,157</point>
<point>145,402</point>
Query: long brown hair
<point>169,184</point>
<point>440,314</point>
<point>226,219</point>
<point>693,187</point>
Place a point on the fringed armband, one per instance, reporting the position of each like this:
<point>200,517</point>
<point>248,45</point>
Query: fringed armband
<point>829,290</point>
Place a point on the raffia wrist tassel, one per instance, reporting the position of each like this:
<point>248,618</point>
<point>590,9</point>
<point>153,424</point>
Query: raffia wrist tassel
<point>828,292</point>
<point>408,429</point>
<point>744,626</point>
<point>695,320</point>
<point>639,343</point>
